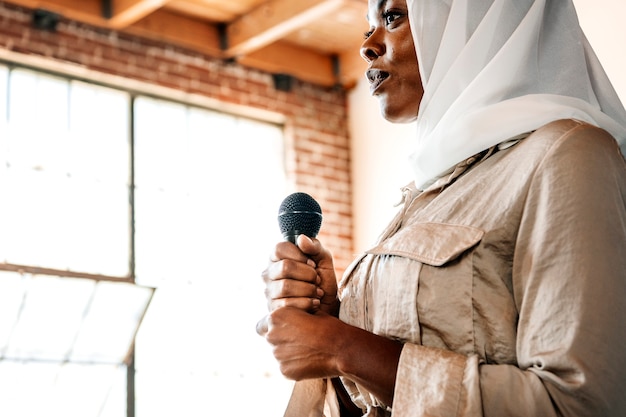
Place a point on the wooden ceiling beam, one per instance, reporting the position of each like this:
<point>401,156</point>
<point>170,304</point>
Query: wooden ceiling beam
<point>127,12</point>
<point>179,30</point>
<point>87,11</point>
<point>206,8</point>
<point>272,21</point>
<point>285,58</point>
<point>277,57</point>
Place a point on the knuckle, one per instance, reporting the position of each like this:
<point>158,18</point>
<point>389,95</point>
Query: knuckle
<point>287,287</point>
<point>265,274</point>
<point>275,305</point>
<point>287,267</point>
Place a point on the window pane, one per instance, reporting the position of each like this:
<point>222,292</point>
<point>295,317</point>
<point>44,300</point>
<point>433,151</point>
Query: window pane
<point>56,319</point>
<point>68,390</point>
<point>66,170</point>
<point>208,190</point>
<point>44,328</point>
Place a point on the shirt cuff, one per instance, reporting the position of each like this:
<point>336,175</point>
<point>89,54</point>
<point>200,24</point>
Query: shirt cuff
<point>436,383</point>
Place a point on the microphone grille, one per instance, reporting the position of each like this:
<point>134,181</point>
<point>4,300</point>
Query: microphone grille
<point>299,213</point>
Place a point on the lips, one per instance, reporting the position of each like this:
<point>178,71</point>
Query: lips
<point>376,78</point>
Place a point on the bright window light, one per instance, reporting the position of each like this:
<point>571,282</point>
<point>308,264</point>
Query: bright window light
<point>65,173</point>
<point>32,389</point>
<point>198,226</point>
<point>208,187</point>
<point>55,319</point>
<point>69,311</point>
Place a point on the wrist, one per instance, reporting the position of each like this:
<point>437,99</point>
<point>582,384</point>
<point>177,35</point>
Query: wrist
<point>369,360</point>
<point>331,306</point>
<point>349,350</point>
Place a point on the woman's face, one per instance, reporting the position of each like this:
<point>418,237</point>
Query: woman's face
<point>393,72</point>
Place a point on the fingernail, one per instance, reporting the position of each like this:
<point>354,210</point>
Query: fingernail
<point>316,302</point>
<point>320,292</point>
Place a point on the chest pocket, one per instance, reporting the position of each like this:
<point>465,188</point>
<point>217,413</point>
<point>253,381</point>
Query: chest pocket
<point>433,244</point>
<point>418,285</point>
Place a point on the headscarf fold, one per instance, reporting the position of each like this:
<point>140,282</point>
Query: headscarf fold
<point>494,69</point>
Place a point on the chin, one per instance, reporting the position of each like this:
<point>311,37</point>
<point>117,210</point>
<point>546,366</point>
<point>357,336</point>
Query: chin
<point>397,114</point>
<point>398,118</point>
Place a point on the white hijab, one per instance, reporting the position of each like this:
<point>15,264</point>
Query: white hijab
<point>495,69</point>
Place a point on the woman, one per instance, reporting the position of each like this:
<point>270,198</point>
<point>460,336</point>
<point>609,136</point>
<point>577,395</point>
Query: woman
<point>500,287</point>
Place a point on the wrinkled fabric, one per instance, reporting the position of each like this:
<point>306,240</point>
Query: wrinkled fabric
<point>507,283</point>
<point>517,309</point>
<point>313,398</point>
<point>492,69</point>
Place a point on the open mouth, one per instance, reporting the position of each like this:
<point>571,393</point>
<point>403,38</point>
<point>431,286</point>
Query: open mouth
<point>376,78</point>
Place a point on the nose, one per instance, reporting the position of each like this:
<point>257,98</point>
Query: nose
<point>372,47</point>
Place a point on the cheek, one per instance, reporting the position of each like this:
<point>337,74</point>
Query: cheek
<point>405,61</point>
<point>412,84</point>
<point>409,99</point>
<point>410,92</point>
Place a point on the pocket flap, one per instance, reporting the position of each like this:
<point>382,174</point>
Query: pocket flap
<point>430,243</point>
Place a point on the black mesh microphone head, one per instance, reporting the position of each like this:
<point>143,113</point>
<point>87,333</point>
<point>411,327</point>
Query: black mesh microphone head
<point>299,214</point>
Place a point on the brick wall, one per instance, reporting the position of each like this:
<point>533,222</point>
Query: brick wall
<point>318,153</point>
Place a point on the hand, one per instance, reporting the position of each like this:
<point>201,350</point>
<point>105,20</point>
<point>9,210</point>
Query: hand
<point>305,345</point>
<point>308,339</point>
<point>301,276</point>
<point>325,269</point>
<point>322,346</point>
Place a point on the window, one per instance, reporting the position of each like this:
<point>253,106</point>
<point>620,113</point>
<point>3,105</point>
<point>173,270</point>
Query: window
<point>208,187</point>
<point>65,148</point>
<point>107,195</point>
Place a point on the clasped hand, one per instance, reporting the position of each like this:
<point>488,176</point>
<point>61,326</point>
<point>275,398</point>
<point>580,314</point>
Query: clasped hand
<point>301,292</point>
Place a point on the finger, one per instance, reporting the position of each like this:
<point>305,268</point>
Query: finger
<point>287,250</point>
<point>308,245</point>
<point>290,269</point>
<point>286,288</point>
<point>300,303</point>
<point>314,250</point>
<point>261,326</point>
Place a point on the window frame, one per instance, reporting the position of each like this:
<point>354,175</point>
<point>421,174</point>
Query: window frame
<point>70,72</point>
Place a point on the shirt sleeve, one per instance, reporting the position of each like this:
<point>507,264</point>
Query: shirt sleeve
<point>569,276</point>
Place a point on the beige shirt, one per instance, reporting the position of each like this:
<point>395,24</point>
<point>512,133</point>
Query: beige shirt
<point>506,281</point>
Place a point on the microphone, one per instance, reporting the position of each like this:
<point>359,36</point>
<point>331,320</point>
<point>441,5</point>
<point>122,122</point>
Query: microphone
<point>299,214</point>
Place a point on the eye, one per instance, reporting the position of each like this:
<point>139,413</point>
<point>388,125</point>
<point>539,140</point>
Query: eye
<point>389,19</point>
<point>390,16</point>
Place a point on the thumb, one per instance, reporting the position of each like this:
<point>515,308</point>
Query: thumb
<point>308,246</point>
<point>314,250</point>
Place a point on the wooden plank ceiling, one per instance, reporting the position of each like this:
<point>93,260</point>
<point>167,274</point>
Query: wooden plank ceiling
<point>313,40</point>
